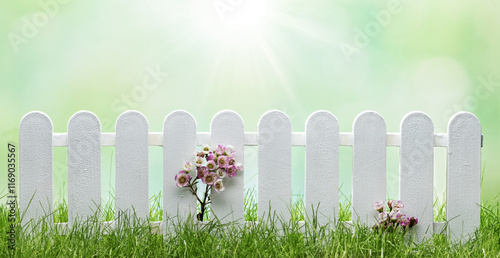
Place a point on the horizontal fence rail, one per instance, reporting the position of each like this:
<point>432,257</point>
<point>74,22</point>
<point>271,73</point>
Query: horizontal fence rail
<point>369,140</point>
<point>251,139</point>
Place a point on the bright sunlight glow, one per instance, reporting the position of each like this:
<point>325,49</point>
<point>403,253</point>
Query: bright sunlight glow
<point>233,17</point>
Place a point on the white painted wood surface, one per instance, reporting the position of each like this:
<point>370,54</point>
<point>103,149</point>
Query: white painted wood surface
<point>132,165</point>
<point>84,165</point>
<point>322,167</point>
<point>464,176</point>
<point>416,161</point>
<point>369,166</point>
<point>227,128</point>
<point>275,165</point>
<point>179,135</point>
<point>35,167</point>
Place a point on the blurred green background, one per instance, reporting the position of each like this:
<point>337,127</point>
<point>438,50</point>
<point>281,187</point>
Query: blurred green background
<point>251,56</point>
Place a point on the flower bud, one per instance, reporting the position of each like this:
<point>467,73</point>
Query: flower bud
<point>210,156</point>
<point>413,222</point>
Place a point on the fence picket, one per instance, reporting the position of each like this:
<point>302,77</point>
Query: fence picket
<point>84,165</point>
<point>369,165</point>
<point>275,164</point>
<point>179,144</point>
<point>132,164</point>
<point>227,128</point>
<point>35,167</point>
<point>463,175</point>
<point>417,171</point>
<point>322,167</point>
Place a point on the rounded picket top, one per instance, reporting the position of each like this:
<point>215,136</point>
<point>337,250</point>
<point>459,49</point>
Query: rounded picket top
<point>322,119</point>
<point>226,118</point>
<point>35,167</point>
<point>179,116</point>
<point>274,120</point>
<point>84,116</point>
<point>132,117</point>
<point>368,118</point>
<point>416,117</point>
<point>464,117</point>
<point>35,119</point>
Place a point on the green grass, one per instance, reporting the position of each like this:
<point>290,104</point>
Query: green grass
<point>269,238</point>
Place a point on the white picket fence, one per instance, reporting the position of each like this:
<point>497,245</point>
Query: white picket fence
<point>274,139</point>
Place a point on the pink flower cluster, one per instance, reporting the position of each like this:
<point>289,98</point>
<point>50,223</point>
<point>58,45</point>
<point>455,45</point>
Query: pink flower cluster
<point>212,165</point>
<point>393,218</point>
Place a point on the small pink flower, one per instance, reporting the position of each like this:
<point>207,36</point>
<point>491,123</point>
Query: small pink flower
<point>222,161</point>
<point>209,179</point>
<point>229,150</point>
<point>379,206</point>
<point>239,167</point>
<point>182,179</point>
<point>394,215</point>
<point>211,165</point>
<point>397,205</point>
<point>231,171</point>
<point>219,187</point>
<point>221,173</point>
<point>202,171</point>
<point>231,161</point>
<point>403,220</point>
<point>383,216</point>
<point>198,161</point>
<point>205,148</point>
<point>220,150</point>
<point>188,166</point>
<point>210,156</point>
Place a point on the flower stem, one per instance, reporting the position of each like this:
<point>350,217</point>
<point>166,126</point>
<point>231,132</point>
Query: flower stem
<point>203,204</point>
